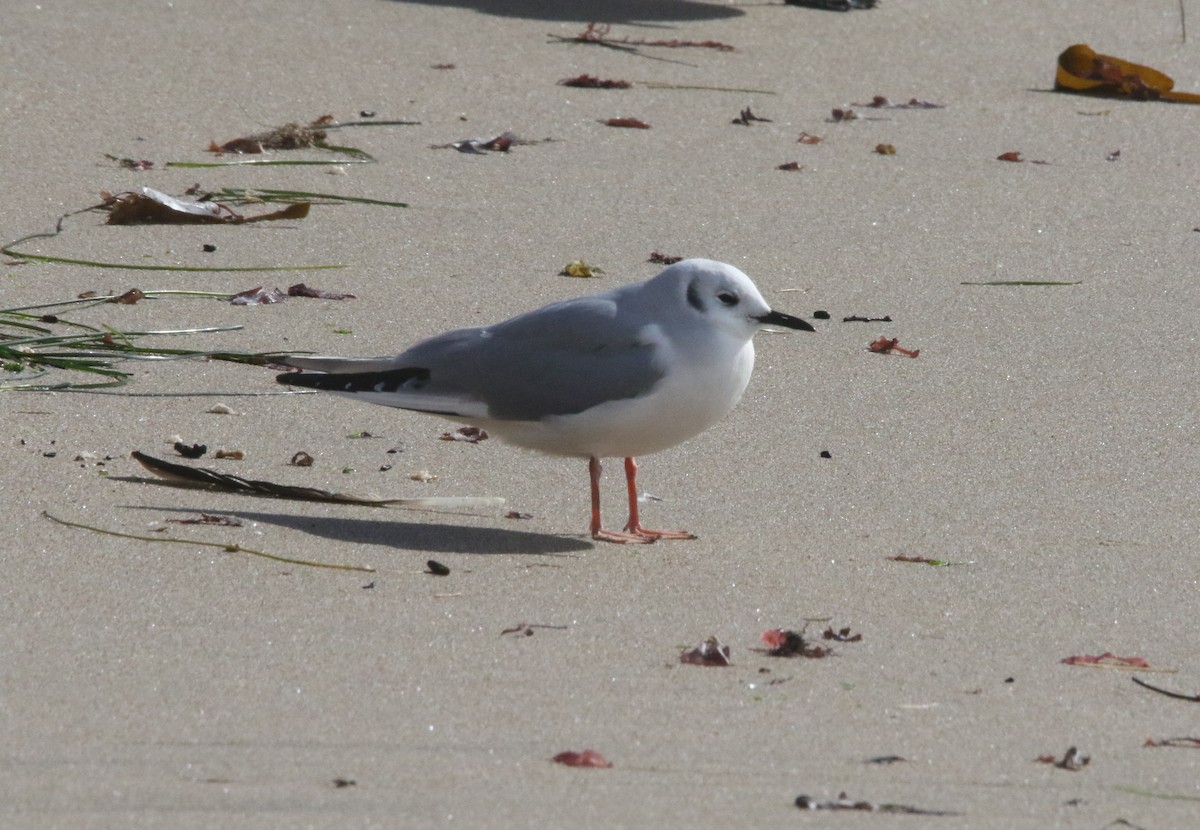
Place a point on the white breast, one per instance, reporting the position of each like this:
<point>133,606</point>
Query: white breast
<point>694,396</point>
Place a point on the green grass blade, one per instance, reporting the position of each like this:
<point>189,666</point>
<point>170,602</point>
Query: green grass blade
<point>289,195</point>
<point>10,251</point>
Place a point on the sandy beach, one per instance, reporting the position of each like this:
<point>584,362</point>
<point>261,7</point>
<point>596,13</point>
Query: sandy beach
<point>1044,446</point>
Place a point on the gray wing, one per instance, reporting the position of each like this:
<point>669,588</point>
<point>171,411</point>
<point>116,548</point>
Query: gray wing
<point>559,360</point>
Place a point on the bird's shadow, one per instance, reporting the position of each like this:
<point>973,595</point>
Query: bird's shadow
<point>612,11</point>
<point>430,537</point>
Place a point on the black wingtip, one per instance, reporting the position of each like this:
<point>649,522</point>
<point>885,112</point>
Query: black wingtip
<point>300,379</point>
<point>389,381</point>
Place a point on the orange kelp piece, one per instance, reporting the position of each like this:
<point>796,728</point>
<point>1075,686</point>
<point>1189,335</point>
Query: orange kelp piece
<point>1082,69</point>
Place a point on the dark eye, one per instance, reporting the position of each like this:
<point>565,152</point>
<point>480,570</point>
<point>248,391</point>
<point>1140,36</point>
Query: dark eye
<point>728,298</point>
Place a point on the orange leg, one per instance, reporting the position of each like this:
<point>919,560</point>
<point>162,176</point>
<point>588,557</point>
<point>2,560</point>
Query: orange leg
<point>634,525</point>
<point>634,533</point>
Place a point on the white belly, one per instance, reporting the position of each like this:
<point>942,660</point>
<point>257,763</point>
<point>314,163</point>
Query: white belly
<point>692,398</point>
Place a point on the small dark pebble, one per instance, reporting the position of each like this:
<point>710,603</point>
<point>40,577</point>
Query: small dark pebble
<point>194,451</point>
<point>820,315</point>
<point>1010,680</point>
<point>208,247</point>
<point>368,586</point>
<point>366,113</point>
<point>49,318</point>
<point>49,454</point>
<point>344,782</point>
<point>826,454</point>
<point>437,568</point>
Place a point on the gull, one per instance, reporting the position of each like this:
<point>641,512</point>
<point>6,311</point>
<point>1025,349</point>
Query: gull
<point>620,374</point>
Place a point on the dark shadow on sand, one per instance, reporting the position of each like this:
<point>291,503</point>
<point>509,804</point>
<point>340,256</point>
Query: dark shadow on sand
<point>601,11</point>
<point>428,537</point>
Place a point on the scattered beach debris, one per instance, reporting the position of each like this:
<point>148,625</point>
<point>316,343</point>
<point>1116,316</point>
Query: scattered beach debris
<point>481,146</point>
<point>302,290</point>
<point>517,514</point>
<point>526,629</point>
<point>301,459</point>
<point>925,560</point>
<point>793,166</point>
<point>1181,743</point>
<point>629,123</point>
<point>861,319</point>
<point>746,117</point>
<point>1177,695</point>
<point>1108,660</point>
<point>881,102</point>
<point>663,259</point>
<point>131,297</point>
<point>884,760</point>
<point>586,81</point>
<point>597,34</point>
<point>579,268</point>
<point>291,136</point>
<point>1081,70</point>
<point>1015,155</point>
<point>808,138</point>
<point>257,195</point>
<point>1072,760</point>
<point>151,206</point>
<point>258,296</point>
<point>147,206</point>
<point>139,165</point>
<point>468,435</point>
<point>787,643</point>
<point>885,149</point>
<point>194,451</point>
<point>708,653</point>
<point>843,802</point>
<point>890,345</point>
<point>587,758</point>
<point>436,568</point>
<point>207,519</point>
<point>43,358</point>
<point>842,635</point>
